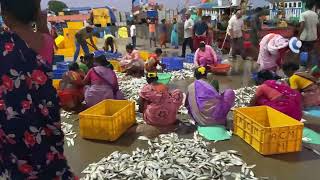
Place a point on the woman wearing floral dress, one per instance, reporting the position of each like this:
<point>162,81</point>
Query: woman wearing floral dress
<point>31,139</point>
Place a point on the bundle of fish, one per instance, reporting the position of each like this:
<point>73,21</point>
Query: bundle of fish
<point>171,157</point>
<point>65,114</point>
<point>70,135</point>
<point>131,86</point>
<point>185,73</point>
<point>182,74</point>
<point>244,96</point>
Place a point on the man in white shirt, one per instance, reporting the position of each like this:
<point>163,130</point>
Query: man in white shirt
<point>309,22</point>
<point>133,34</point>
<point>235,28</point>
<point>188,32</point>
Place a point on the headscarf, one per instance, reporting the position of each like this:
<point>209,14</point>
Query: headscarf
<point>276,43</point>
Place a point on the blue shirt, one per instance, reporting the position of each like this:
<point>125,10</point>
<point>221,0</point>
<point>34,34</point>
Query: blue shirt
<point>200,28</point>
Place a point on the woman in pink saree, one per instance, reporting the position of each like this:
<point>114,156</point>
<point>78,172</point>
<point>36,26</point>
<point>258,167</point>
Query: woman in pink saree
<point>131,63</point>
<point>205,56</point>
<point>159,106</point>
<point>103,83</point>
<point>279,96</point>
<point>205,104</point>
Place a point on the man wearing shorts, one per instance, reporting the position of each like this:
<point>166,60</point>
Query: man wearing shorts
<point>309,23</point>
<point>152,33</point>
<point>236,27</point>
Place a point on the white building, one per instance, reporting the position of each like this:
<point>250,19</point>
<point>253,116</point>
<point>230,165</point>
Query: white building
<point>293,8</point>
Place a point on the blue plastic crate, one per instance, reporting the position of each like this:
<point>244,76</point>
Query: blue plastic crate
<point>114,55</point>
<point>63,65</point>
<point>109,55</point>
<point>99,53</point>
<point>173,63</point>
<point>57,59</point>
<point>189,58</point>
<point>58,73</point>
<point>254,76</point>
<point>152,14</point>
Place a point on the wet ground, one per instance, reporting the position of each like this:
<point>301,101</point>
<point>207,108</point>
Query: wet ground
<point>303,165</point>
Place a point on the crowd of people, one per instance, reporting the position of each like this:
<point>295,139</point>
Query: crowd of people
<point>30,130</point>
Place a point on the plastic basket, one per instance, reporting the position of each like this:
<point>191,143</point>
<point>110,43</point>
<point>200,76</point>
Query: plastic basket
<point>255,77</point>
<point>99,53</point>
<point>58,73</point>
<point>111,55</point>
<point>144,55</point>
<point>59,41</point>
<point>173,63</point>
<point>107,120</point>
<point>304,57</point>
<point>152,14</point>
<point>221,68</point>
<point>116,65</point>
<point>56,83</point>
<point>63,66</point>
<point>189,58</point>
<point>267,130</point>
<point>247,44</point>
<point>164,78</point>
<point>58,59</point>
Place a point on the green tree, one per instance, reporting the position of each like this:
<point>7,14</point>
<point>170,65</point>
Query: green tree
<point>56,6</point>
<point>316,2</point>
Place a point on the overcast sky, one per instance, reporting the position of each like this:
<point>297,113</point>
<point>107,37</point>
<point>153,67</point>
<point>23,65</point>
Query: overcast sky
<point>125,5</point>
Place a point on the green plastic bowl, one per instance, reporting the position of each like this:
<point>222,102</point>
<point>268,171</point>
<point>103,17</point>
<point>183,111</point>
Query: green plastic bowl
<point>164,78</point>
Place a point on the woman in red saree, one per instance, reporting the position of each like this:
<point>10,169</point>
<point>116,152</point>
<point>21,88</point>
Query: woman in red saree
<point>71,89</point>
<point>279,96</point>
<point>158,104</point>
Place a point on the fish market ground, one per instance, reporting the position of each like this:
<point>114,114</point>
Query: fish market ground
<point>293,166</point>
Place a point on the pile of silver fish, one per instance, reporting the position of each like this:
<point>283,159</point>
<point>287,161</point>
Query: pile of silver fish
<point>244,96</point>
<point>131,86</point>
<point>171,157</point>
<point>65,114</point>
<point>69,134</point>
<point>186,73</point>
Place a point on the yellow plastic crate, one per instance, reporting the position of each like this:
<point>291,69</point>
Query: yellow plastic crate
<point>107,120</point>
<point>59,41</point>
<point>67,52</point>
<point>75,24</point>
<point>123,32</point>
<point>55,83</point>
<point>144,55</point>
<point>267,130</point>
<point>116,65</point>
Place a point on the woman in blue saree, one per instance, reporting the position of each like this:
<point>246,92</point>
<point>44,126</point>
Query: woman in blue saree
<point>174,34</point>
